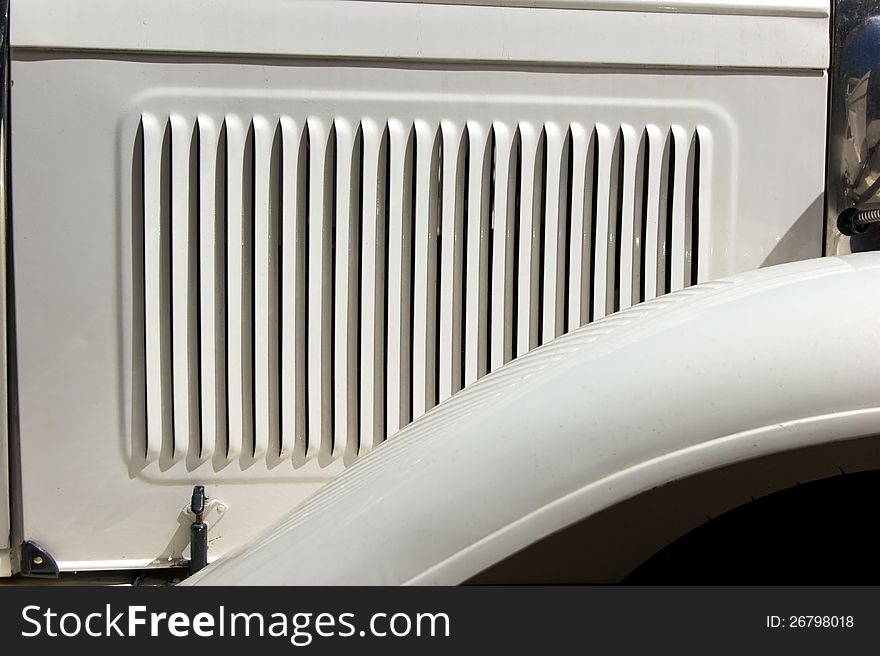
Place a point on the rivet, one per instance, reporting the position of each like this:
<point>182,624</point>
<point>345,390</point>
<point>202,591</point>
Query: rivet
<point>38,560</point>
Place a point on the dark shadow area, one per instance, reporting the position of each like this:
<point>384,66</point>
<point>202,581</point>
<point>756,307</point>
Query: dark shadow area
<point>866,241</point>
<point>803,240</point>
<point>825,532</point>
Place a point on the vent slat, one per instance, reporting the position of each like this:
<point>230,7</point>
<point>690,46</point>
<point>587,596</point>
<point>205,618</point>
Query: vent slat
<point>654,207</point>
<point>239,289</point>
<point>372,363</point>
<point>212,291</point>
<point>604,220</point>
<point>679,201</point>
<point>628,211</point>
<point>184,336</point>
<point>554,233</point>
<point>579,245</point>
<point>451,264</point>
<point>692,210</point>
<point>477,249</point>
<point>703,219</point>
<point>346,292</point>
<point>320,292</point>
<point>502,246</point>
<point>424,283</point>
<point>157,311</point>
<point>531,202</point>
<point>266,288</point>
<point>398,291</point>
<point>639,217</point>
<point>294,236</point>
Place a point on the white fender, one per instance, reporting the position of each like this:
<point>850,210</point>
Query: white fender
<point>767,361</point>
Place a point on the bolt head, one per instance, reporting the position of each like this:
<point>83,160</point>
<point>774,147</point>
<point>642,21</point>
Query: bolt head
<point>38,560</point>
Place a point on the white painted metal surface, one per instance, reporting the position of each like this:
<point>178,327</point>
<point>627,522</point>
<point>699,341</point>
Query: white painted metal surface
<point>212,311</point>
<point>712,375</point>
<point>558,254</point>
<point>100,367</point>
<point>793,36</point>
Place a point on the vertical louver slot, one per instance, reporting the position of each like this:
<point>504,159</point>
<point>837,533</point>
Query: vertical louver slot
<point>640,206</point>
<point>655,208</point>
<point>604,221</point>
<point>139,441</point>
<point>628,216</point>
<point>424,320</point>
<point>322,151</point>
<point>555,232</point>
<point>398,298</point>
<point>702,199</point>
<point>372,275</point>
<point>157,311</point>
<point>452,265</point>
<point>581,218</point>
<point>692,211</point>
<point>503,219</point>
<point>212,286</point>
<point>678,208</point>
<point>184,287</point>
<point>615,225</point>
<point>267,201</point>
<point>477,244</point>
<point>348,218</point>
<point>531,203</point>
<point>294,291</point>
<point>239,303</point>
<point>307,287</point>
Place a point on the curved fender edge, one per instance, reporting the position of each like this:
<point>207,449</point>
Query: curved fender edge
<point>763,362</point>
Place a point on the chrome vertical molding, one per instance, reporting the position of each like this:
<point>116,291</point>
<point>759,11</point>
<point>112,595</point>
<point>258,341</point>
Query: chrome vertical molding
<point>854,121</point>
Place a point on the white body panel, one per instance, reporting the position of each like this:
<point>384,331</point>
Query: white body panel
<point>724,372</point>
<point>89,76</point>
<point>784,37</point>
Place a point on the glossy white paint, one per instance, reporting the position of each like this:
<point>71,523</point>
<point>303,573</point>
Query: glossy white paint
<point>83,91</point>
<point>795,36</point>
<point>723,372</point>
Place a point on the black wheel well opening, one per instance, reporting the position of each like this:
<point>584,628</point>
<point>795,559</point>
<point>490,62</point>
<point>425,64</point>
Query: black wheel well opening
<point>807,516</point>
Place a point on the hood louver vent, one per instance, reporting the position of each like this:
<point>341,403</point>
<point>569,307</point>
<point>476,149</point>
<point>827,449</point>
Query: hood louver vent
<point>307,287</point>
